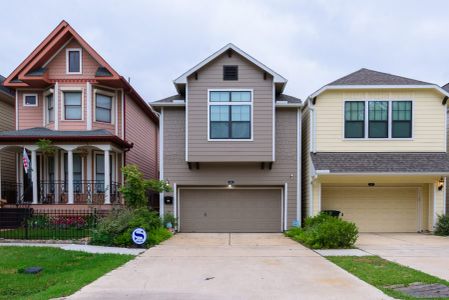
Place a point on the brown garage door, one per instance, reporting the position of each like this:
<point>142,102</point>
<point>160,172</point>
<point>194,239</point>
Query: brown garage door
<point>230,210</point>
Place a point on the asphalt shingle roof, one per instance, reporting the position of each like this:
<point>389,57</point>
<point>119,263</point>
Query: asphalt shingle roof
<point>371,77</point>
<point>4,88</point>
<point>48,133</point>
<point>381,162</point>
<point>280,97</point>
<point>170,99</point>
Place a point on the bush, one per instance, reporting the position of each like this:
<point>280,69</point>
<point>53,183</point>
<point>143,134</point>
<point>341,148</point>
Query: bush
<point>325,232</point>
<point>442,226</point>
<point>169,219</point>
<point>116,228</point>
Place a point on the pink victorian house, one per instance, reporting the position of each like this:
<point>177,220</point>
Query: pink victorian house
<point>96,122</point>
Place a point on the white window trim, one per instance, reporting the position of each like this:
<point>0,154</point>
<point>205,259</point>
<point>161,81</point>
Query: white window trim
<point>250,103</point>
<point>72,89</point>
<point>390,121</point>
<point>83,174</point>
<point>67,60</point>
<point>112,170</point>
<point>30,105</point>
<point>46,114</point>
<point>113,105</point>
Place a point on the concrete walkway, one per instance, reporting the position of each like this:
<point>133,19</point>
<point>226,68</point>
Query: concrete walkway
<point>424,252</point>
<point>83,248</point>
<point>229,266</point>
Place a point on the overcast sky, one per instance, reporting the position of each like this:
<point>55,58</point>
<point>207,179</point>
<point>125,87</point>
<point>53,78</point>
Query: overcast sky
<point>309,42</point>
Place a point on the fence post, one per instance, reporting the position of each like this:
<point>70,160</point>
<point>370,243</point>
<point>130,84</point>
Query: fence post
<point>26,225</point>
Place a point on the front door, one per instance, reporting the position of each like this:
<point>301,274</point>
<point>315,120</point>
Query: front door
<point>28,183</point>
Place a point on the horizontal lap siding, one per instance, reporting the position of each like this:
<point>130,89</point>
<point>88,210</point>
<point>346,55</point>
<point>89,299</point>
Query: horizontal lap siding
<point>306,163</point>
<point>244,173</point>
<point>211,77</point>
<point>429,122</point>
<point>30,116</point>
<point>141,131</point>
<point>7,122</point>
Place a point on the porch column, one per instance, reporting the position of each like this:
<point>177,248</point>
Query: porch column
<point>107,190</point>
<point>57,180</point>
<point>34,175</point>
<point>70,175</point>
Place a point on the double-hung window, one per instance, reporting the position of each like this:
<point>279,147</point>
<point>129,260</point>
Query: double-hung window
<point>74,61</point>
<point>378,119</point>
<point>50,108</point>
<point>99,172</point>
<point>77,172</point>
<point>230,115</point>
<point>103,108</point>
<point>72,106</point>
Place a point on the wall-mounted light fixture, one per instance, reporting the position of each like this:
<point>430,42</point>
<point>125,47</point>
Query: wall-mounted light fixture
<point>230,183</point>
<point>441,184</point>
<point>371,184</point>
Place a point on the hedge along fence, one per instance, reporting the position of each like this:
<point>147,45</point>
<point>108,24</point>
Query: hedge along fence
<point>55,224</point>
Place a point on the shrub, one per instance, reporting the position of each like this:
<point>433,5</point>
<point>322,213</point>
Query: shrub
<point>169,219</point>
<point>116,228</point>
<point>325,232</point>
<point>442,226</point>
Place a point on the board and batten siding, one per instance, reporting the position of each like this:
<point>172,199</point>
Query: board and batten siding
<point>243,173</point>
<point>7,122</point>
<point>142,131</point>
<point>429,122</point>
<point>211,77</point>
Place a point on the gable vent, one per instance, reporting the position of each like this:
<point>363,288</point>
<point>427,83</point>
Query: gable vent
<point>230,72</point>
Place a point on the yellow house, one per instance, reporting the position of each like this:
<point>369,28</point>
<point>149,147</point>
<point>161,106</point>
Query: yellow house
<point>374,149</point>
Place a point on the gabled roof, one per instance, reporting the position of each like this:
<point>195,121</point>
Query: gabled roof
<point>446,87</point>
<point>32,68</point>
<point>380,162</point>
<point>276,77</point>
<point>365,78</point>
<point>3,89</point>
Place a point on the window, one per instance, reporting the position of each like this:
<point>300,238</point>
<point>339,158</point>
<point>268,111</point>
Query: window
<point>30,100</point>
<point>402,119</point>
<point>99,172</point>
<point>74,61</point>
<point>354,119</point>
<point>103,108</point>
<point>77,172</point>
<point>51,173</point>
<point>230,72</point>
<point>50,108</point>
<point>72,106</point>
<point>228,118</point>
<point>378,119</point>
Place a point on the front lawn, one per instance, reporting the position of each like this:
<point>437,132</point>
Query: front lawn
<point>64,272</point>
<point>381,273</point>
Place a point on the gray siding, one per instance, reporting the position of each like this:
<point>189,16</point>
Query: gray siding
<point>447,179</point>
<point>306,163</point>
<point>243,173</point>
<point>7,122</point>
<point>211,77</point>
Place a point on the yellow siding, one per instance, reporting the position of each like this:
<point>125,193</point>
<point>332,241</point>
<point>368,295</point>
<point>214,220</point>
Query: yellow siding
<point>429,130</point>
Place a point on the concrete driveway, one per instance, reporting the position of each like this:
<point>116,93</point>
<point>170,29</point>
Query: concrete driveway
<point>424,252</point>
<point>229,266</point>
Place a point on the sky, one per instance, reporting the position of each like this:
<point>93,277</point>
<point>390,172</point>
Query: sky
<point>310,43</point>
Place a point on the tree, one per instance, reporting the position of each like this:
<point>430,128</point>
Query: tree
<point>135,187</point>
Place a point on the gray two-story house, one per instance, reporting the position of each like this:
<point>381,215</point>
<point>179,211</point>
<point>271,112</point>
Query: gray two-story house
<point>230,147</point>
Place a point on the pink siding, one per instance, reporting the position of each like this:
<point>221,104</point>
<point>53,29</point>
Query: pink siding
<point>71,125</point>
<point>30,117</point>
<point>108,126</point>
<point>57,67</point>
<point>141,131</point>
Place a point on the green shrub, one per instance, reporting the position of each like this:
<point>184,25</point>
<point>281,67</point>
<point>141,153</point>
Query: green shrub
<point>325,232</point>
<point>116,228</point>
<point>442,226</point>
<point>169,218</point>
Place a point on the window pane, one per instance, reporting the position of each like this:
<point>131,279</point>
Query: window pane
<point>378,129</point>
<point>241,113</point>
<point>378,110</point>
<point>354,111</point>
<point>103,115</point>
<point>219,96</point>
<point>402,129</point>
<point>241,130</point>
<point>402,110</point>
<point>240,96</point>
<point>354,129</point>
<point>72,98</point>
<point>99,160</point>
<point>74,61</point>
<point>73,112</point>
<point>30,100</point>
<point>219,130</point>
<point>104,101</point>
<point>219,113</point>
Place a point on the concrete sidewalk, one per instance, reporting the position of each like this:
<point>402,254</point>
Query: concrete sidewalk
<point>424,252</point>
<point>229,266</point>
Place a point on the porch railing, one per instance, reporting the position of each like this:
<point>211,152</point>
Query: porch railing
<point>84,192</point>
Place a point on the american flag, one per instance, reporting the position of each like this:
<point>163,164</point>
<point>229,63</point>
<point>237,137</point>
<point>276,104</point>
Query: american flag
<point>26,161</point>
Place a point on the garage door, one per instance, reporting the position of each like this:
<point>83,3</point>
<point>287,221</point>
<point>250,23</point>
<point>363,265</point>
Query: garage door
<point>375,209</point>
<point>230,210</point>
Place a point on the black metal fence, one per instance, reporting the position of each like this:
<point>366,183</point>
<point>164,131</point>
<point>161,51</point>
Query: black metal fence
<point>50,224</point>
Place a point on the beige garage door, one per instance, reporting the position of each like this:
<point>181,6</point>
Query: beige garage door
<point>230,210</point>
<point>375,209</point>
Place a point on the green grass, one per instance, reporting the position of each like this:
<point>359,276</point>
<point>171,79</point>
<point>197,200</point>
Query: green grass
<point>46,234</point>
<point>380,273</point>
<point>64,272</point>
